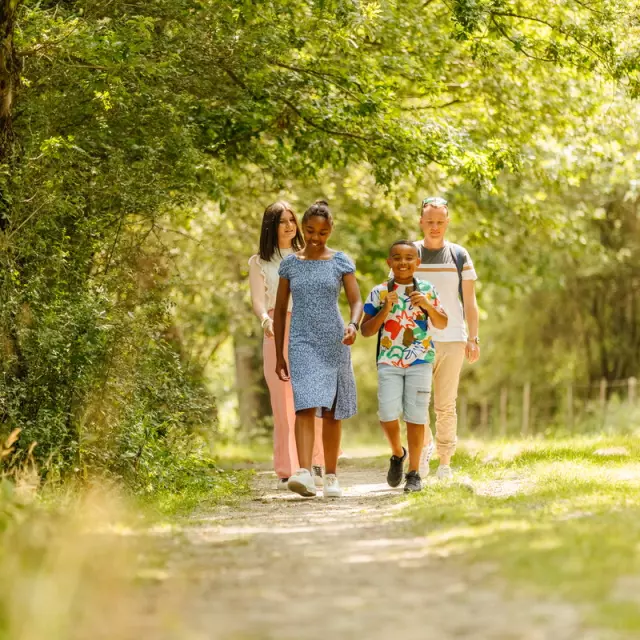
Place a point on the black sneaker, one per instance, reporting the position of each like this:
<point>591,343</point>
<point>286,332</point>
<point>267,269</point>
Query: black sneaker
<point>396,470</point>
<point>413,482</point>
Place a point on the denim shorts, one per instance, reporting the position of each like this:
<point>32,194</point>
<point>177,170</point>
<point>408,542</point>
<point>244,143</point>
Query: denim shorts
<point>404,392</point>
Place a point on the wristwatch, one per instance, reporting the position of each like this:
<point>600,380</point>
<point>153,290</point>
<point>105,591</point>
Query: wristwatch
<point>476,340</point>
<point>356,325</point>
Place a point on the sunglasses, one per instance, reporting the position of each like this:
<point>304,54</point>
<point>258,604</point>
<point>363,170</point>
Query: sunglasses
<point>436,202</point>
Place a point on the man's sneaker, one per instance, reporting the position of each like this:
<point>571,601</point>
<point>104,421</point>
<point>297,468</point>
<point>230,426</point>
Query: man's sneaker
<point>444,472</point>
<point>396,469</point>
<point>413,482</point>
<point>301,482</point>
<point>282,484</point>
<point>425,458</point>
<point>317,475</point>
<point>331,486</point>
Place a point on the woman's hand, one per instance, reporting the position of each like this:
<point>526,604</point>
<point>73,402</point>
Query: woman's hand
<point>267,327</point>
<point>282,371</point>
<point>350,334</point>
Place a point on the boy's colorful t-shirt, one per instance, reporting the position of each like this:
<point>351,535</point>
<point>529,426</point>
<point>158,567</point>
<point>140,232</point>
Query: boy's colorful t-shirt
<point>405,338</point>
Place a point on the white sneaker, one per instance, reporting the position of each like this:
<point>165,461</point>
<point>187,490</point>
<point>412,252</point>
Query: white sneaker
<point>317,475</point>
<point>332,486</point>
<point>444,472</point>
<point>282,484</point>
<point>425,458</point>
<point>301,482</point>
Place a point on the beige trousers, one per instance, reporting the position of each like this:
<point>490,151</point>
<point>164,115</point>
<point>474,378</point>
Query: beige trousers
<point>446,377</point>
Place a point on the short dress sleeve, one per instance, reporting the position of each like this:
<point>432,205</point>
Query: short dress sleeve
<point>344,263</point>
<point>284,270</point>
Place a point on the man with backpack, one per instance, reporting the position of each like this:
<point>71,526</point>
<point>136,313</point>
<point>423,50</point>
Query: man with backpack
<point>449,268</point>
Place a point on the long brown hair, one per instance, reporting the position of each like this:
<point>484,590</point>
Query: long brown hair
<point>269,231</point>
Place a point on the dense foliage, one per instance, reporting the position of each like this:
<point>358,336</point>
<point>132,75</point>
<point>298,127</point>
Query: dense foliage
<point>139,137</point>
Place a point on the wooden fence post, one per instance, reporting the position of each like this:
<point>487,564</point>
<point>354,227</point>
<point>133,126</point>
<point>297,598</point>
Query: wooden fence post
<point>603,400</point>
<point>633,385</point>
<point>570,407</point>
<point>526,408</point>
<point>504,400</point>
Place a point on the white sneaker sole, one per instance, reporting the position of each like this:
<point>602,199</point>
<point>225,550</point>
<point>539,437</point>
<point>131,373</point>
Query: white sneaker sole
<point>301,488</point>
<point>425,460</point>
<point>333,494</point>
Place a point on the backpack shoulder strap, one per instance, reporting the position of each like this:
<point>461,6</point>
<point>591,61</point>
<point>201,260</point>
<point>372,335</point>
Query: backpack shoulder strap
<point>458,255</point>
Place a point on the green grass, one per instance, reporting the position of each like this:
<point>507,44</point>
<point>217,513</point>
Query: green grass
<point>569,524</point>
<point>204,492</point>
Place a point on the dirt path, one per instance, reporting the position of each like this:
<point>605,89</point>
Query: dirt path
<point>281,567</point>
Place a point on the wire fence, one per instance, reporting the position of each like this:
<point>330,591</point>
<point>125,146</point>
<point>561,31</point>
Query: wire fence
<point>534,408</point>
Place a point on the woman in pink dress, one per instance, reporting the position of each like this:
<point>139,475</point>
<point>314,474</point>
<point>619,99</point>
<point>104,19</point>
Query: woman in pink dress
<point>279,237</point>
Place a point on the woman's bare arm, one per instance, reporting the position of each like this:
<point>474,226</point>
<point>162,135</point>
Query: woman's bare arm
<point>279,324</point>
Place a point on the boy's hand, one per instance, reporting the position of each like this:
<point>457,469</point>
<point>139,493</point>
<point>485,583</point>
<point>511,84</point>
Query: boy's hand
<point>282,370</point>
<point>418,299</point>
<point>349,335</point>
<point>391,299</point>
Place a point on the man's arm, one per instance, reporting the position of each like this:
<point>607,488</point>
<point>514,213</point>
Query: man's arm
<point>472,317</point>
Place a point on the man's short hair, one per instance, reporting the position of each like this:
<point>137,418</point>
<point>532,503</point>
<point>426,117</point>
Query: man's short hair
<point>436,203</point>
<point>407,242</point>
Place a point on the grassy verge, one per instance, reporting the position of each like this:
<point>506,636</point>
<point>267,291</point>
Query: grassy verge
<point>71,554</point>
<point>198,488</point>
<point>559,517</point>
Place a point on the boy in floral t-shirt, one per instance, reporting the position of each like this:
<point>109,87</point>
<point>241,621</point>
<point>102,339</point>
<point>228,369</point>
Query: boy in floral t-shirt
<point>400,311</point>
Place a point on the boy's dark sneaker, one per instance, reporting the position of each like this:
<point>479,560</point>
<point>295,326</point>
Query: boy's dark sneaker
<point>413,482</point>
<point>396,470</point>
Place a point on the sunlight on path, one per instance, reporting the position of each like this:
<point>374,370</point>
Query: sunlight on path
<point>282,567</point>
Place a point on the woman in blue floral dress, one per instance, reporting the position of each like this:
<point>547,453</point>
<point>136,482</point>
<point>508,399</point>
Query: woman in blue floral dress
<point>319,344</point>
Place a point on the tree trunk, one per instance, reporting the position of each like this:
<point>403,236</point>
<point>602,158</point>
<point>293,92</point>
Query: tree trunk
<point>251,388</point>
<point>9,74</point>
<point>9,80</point>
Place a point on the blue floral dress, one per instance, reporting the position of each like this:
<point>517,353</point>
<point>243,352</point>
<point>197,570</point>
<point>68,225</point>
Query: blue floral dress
<point>319,364</point>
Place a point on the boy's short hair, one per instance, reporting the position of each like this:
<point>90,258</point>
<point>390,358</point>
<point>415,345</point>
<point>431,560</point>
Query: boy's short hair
<point>407,242</point>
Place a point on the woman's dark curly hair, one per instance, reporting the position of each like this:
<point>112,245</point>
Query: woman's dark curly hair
<point>319,208</point>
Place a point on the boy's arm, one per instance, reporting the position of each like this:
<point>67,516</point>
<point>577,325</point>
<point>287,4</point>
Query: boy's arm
<point>438,317</point>
<point>371,324</point>
<point>430,304</point>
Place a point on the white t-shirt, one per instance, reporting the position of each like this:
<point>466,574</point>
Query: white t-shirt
<point>438,266</point>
